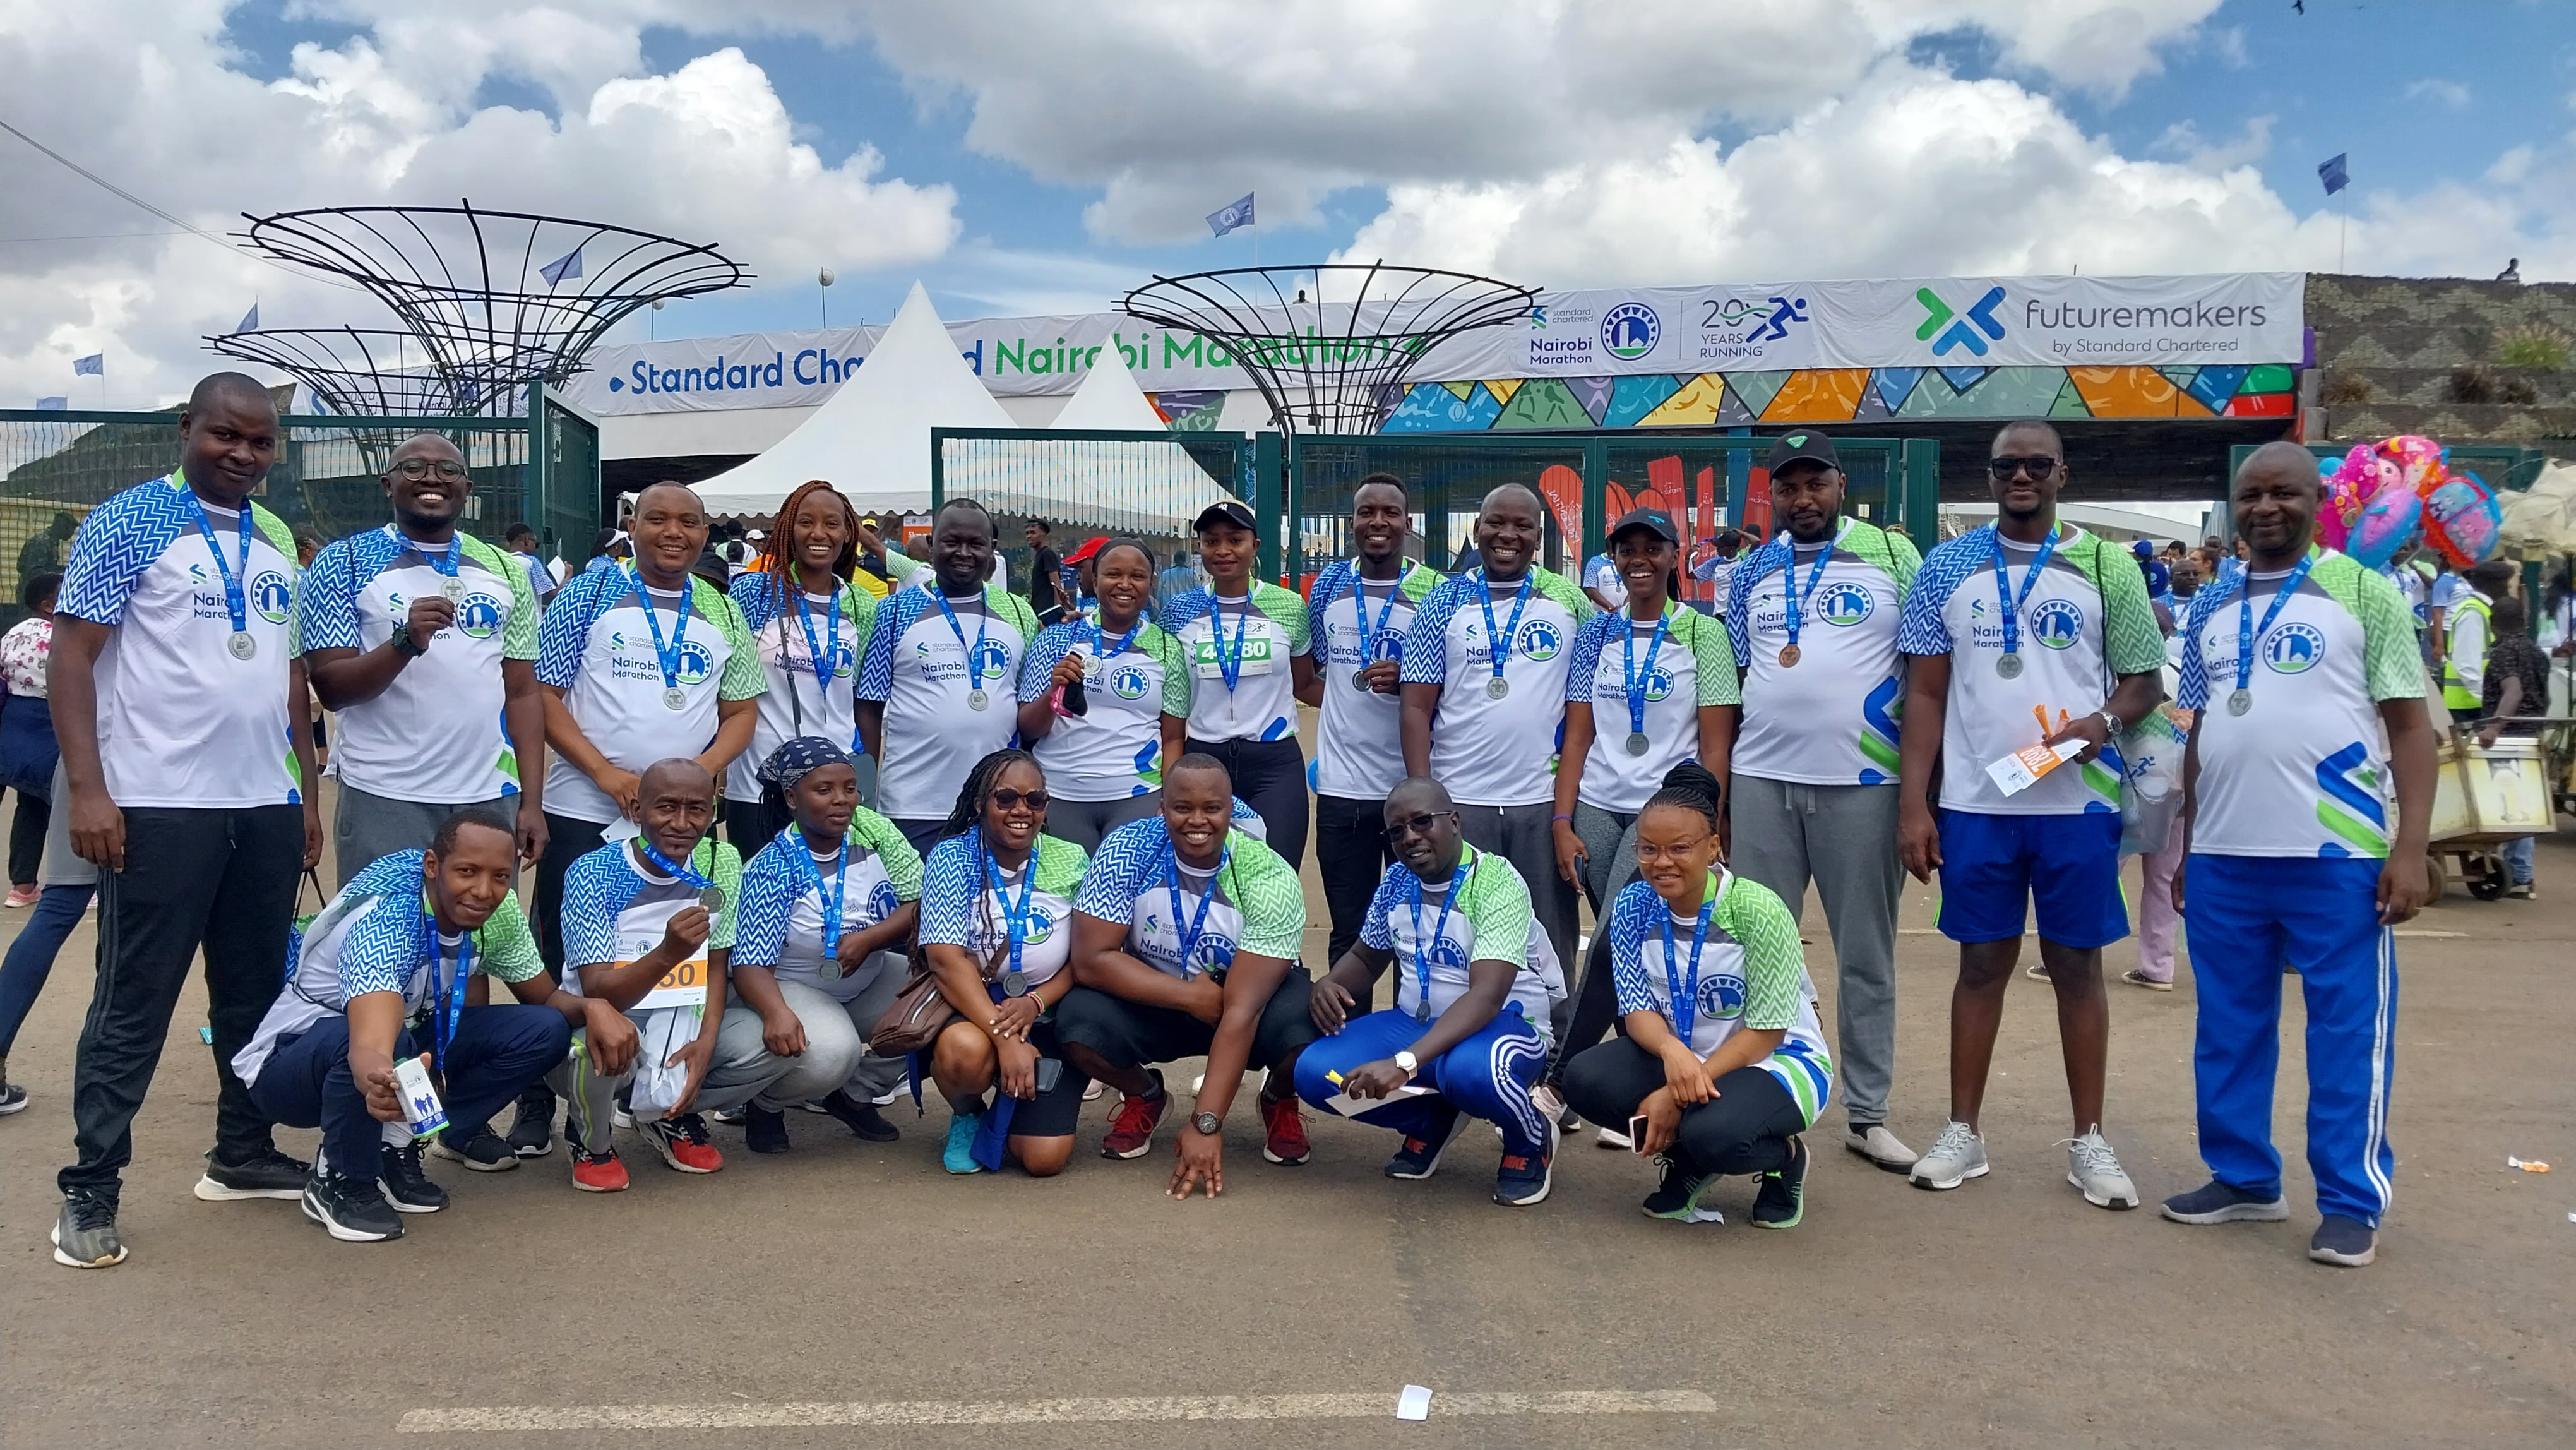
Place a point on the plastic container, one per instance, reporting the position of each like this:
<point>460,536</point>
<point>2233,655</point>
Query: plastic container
<point>2506,782</point>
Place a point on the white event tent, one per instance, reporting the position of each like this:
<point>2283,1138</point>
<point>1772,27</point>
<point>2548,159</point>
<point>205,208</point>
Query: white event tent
<point>1115,485</point>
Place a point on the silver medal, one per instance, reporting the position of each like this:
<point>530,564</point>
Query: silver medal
<point>1095,672</point>
<point>711,897</point>
<point>1636,742</point>
<point>1359,680</point>
<point>978,700</point>
<point>1015,983</point>
<point>453,588</point>
<point>2008,666</point>
<point>1497,687</point>
<point>2240,702</point>
<point>675,698</point>
<point>241,645</point>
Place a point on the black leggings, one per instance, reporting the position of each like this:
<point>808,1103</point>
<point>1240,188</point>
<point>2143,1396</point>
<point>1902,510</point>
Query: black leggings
<point>1270,777</point>
<point>27,838</point>
<point>1595,1010</point>
<point>1744,1129</point>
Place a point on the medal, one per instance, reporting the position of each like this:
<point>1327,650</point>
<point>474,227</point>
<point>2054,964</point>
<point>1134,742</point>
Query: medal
<point>1497,687</point>
<point>1095,671</point>
<point>2247,632</point>
<point>2240,702</point>
<point>1499,639</point>
<point>1788,655</point>
<point>1795,600</point>
<point>1369,637</point>
<point>670,656</point>
<point>1015,983</point>
<point>1359,680</point>
<point>236,602</point>
<point>675,698</point>
<point>453,588</point>
<point>2008,666</point>
<point>711,897</point>
<point>976,699</point>
<point>1637,742</point>
<point>241,645</point>
<point>1188,936</point>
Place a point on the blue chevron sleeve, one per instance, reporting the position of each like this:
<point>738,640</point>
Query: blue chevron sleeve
<point>876,671</point>
<point>1426,642</point>
<point>596,889</point>
<point>1374,928</point>
<point>116,544</point>
<point>1631,915</point>
<point>1921,628</point>
<point>326,599</point>
<point>1123,866</point>
<point>950,887</point>
<point>770,886</point>
<point>564,636</point>
<point>752,595</point>
<point>380,950</point>
<point>2191,691</point>
<point>1588,642</point>
<point>1037,671</point>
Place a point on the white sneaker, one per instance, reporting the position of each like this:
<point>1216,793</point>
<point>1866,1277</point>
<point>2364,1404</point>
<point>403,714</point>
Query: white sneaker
<point>1881,1147</point>
<point>1957,1156</point>
<point>1612,1138</point>
<point>2094,1168</point>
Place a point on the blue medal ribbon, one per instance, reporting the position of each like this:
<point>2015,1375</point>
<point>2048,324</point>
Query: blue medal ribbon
<point>1500,643</point>
<point>1422,944</point>
<point>668,657</point>
<point>669,867</point>
<point>1231,669</point>
<point>2011,602</point>
<point>442,1024</point>
<point>829,648</point>
<point>832,897</point>
<point>1100,643</point>
<point>1637,681</point>
<point>975,656</point>
<point>1198,922</point>
<point>1797,598</point>
<point>1359,611</point>
<point>1685,996</point>
<point>2245,630</point>
<point>448,565</point>
<point>236,602</point>
<point>1015,919</point>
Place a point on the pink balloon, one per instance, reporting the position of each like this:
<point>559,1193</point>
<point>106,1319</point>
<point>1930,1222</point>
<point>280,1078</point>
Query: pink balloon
<point>2387,524</point>
<point>2347,489</point>
<point>2463,520</point>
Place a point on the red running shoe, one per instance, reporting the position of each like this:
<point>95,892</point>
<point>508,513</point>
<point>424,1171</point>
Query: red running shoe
<point>1283,1130</point>
<point>603,1174</point>
<point>1131,1128</point>
<point>683,1144</point>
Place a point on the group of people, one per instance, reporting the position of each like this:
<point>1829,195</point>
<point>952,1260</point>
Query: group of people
<point>779,825</point>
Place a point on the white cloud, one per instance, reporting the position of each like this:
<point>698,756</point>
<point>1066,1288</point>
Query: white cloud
<point>2433,88</point>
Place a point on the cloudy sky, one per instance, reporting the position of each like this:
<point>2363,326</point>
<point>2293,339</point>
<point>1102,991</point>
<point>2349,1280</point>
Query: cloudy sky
<point>1033,155</point>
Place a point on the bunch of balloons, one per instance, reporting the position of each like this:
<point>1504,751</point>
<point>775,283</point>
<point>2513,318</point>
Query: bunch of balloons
<point>2386,495</point>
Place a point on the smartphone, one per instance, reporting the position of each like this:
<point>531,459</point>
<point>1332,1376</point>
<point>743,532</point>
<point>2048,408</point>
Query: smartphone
<point>1050,1072</point>
<point>1637,1134</point>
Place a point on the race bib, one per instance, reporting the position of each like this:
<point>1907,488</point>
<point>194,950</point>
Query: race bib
<point>683,986</point>
<point>1256,656</point>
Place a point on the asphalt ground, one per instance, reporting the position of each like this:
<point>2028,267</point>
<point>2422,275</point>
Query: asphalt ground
<point>853,1293</point>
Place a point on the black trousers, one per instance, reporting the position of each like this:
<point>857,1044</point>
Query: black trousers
<point>1594,1010</point>
<point>1744,1129</point>
<point>750,825</point>
<point>27,838</point>
<point>567,841</point>
<point>221,879</point>
<point>1270,777</point>
<point>1352,855</point>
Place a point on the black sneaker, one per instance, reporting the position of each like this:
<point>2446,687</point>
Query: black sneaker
<point>1781,1201</point>
<point>85,1235</point>
<point>13,1098</point>
<point>1418,1158</point>
<point>1677,1196</point>
<point>2343,1241</point>
<point>862,1119</point>
<point>270,1174</point>
<point>532,1127</point>
<point>351,1208</point>
<point>406,1185</point>
<point>2216,1202</point>
<point>762,1130</point>
<point>484,1153</point>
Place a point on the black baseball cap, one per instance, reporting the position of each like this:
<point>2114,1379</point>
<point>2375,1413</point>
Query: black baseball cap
<point>1807,444</point>
<point>1653,521</point>
<point>1230,511</point>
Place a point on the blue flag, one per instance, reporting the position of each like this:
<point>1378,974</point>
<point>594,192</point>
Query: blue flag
<point>567,265</point>
<point>56,404</point>
<point>1226,218</point>
<point>92,366</point>
<point>250,320</point>
<point>2331,172</point>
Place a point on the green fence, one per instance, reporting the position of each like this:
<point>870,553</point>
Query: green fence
<point>1148,486</point>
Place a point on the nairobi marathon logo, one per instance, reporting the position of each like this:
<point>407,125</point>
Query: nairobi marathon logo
<point>1630,330</point>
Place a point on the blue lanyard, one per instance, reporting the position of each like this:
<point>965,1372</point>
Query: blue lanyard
<point>2245,630</point>
<point>1198,922</point>
<point>1100,643</point>
<point>668,657</point>
<point>832,897</point>
<point>447,565</point>
<point>1015,919</point>
<point>1422,944</point>
<point>1231,669</point>
<point>669,867</point>
<point>235,602</point>
<point>1386,611</point>
<point>1686,996</point>
<point>975,656</point>
<point>442,1025</point>
<point>1798,597</point>
<point>1501,643</point>
<point>825,652</point>
<point>1636,681</point>
<point>2011,602</point>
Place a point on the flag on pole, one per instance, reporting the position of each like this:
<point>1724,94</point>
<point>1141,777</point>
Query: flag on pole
<point>2331,172</point>
<point>1226,218</point>
<point>250,320</point>
<point>567,265</point>
<point>56,404</point>
<point>92,366</point>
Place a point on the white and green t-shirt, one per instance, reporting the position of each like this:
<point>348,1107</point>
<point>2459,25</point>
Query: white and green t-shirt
<point>1693,667</point>
<point>1750,974</point>
<point>1489,919</point>
<point>597,646</point>
<point>918,667</point>
<point>1831,718</point>
<point>781,925</point>
<point>2083,621</point>
<point>1250,901</point>
<point>436,735</point>
<point>963,905</point>
<point>796,700</point>
<point>1359,750</point>
<point>617,904</point>
<point>1488,750</point>
<point>2304,771</point>
<point>1115,750</point>
<point>1264,630</point>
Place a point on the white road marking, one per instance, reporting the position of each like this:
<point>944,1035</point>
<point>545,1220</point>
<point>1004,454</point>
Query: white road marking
<point>523,1419</point>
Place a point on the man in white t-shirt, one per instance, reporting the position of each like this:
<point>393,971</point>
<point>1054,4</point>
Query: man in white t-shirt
<point>188,756</point>
<point>424,639</point>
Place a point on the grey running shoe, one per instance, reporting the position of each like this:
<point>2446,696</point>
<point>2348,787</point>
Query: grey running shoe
<point>2346,1242</point>
<point>269,1175</point>
<point>2094,1168</point>
<point>2216,1202</point>
<point>532,1124</point>
<point>1957,1156</point>
<point>1882,1148</point>
<point>85,1235</point>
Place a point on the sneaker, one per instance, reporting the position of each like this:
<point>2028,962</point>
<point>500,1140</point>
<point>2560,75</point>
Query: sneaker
<point>1418,1158</point>
<point>603,1172</point>
<point>2518,891</point>
<point>1522,1182</point>
<point>2216,1202</point>
<point>1677,1196</point>
<point>1131,1127</point>
<point>13,1099</point>
<point>903,1085</point>
<point>1283,1133</point>
<point>729,1117</point>
<point>621,1112</point>
<point>1091,1093</point>
<point>762,1130</point>
<point>862,1119</point>
<point>404,1184</point>
<point>351,1208</point>
<point>21,896</point>
<point>532,1126</point>
<point>1781,1201</point>
<point>2136,978</point>
<point>1957,1156</point>
<point>2037,971</point>
<point>1606,1137</point>
<point>1551,1106</point>
<point>959,1155</point>
<point>2347,1242</point>
<point>2094,1168</point>
<point>270,1174</point>
<point>484,1152</point>
<point>682,1142</point>
<point>85,1235</point>
<point>1881,1147</point>
<point>814,1106</point>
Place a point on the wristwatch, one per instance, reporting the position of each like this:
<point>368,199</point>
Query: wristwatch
<point>404,644</point>
<point>1207,1124</point>
<point>1408,1062</point>
<point>2113,724</point>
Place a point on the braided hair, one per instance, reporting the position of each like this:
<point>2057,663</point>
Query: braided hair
<point>1689,786</point>
<point>968,814</point>
<point>778,551</point>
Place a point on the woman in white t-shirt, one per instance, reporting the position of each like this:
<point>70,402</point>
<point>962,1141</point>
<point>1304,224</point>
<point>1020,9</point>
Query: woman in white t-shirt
<point>1246,643</point>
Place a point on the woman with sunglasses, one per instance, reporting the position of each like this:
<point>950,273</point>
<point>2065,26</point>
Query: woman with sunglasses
<point>1247,642</point>
<point>810,626</point>
<point>996,925</point>
<point>1724,1061</point>
<point>1104,762</point>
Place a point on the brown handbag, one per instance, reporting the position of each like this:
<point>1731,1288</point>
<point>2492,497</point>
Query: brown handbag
<point>916,1016</point>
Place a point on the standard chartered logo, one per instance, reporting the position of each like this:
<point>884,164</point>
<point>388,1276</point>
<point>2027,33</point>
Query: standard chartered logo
<point>1946,327</point>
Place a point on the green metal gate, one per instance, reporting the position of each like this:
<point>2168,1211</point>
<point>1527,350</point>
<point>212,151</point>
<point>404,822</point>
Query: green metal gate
<point>1144,485</point>
<point>563,477</point>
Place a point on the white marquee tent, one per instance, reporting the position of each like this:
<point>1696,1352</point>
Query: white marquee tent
<point>1096,484</point>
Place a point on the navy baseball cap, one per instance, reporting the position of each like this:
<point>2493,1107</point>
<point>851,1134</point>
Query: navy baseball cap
<point>1653,521</point>
<point>1805,444</point>
<point>1230,511</point>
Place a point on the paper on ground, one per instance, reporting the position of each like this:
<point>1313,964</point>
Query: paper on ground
<point>1413,1404</point>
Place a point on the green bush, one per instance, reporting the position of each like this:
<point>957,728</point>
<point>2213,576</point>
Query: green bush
<point>2536,346</point>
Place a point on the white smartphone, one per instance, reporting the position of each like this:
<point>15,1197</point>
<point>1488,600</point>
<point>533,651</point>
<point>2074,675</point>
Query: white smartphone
<point>1637,1134</point>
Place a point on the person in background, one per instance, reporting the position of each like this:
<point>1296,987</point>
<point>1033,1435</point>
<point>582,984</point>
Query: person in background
<point>520,541</point>
<point>69,883</point>
<point>809,625</point>
<point>1079,577</point>
<point>1602,584</point>
<point>308,547</point>
<point>2516,684</point>
<point>1104,767</point>
<point>27,750</point>
<point>1718,556</point>
<point>1047,598</point>
<point>2465,627</point>
<point>609,549</point>
<point>1176,581</point>
<point>43,553</point>
<point>1251,656</point>
<point>2558,611</point>
<point>2183,580</point>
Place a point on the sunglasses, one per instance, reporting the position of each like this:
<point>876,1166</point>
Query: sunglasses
<point>2039,465</point>
<point>1011,800</point>
<point>416,468</point>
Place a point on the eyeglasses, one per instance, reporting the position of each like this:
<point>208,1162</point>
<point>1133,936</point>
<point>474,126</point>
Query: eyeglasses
<point>1011,800</point>
<point>1417,824</point>
<point>1647,851</point>
<point>2040,465</point>
<point>419,468</point>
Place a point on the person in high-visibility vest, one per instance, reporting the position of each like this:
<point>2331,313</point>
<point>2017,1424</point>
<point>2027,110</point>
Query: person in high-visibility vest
<point>2465,631</point>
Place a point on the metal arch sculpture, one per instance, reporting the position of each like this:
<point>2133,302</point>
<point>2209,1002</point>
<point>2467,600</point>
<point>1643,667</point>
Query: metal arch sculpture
<point>1329,344</point>
<point>361,372</point>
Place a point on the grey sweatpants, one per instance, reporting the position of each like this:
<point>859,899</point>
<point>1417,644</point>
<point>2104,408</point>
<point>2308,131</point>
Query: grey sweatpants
<point>1842,837</point>
<point>369,828</point>
<point>1525,836</point>
<point>836,1039</point>
<point>1084,823</point>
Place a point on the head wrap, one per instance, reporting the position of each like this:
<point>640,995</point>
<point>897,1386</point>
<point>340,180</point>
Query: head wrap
<point>790,762</point>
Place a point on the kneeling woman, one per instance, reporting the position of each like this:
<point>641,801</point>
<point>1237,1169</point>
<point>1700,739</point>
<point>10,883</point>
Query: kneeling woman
<point>1724,1057</point>
<point>842,875</point>
<point>996,925</point>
